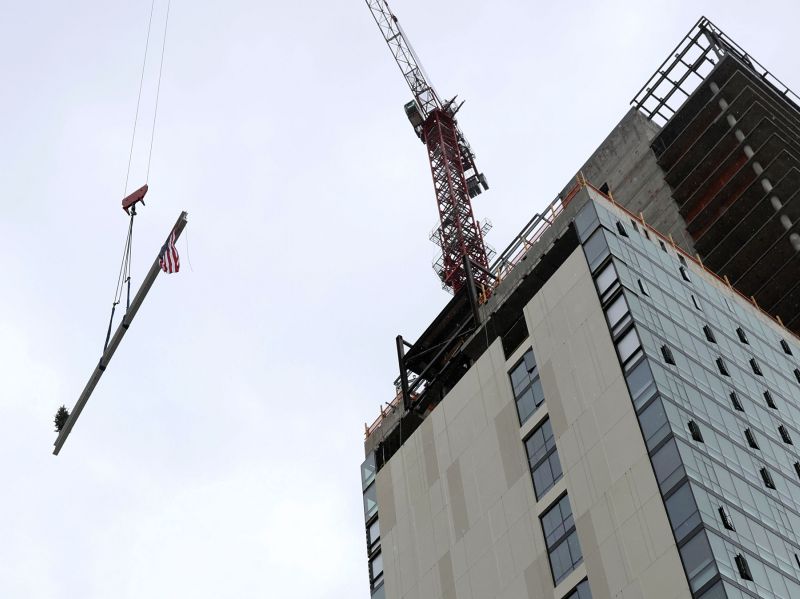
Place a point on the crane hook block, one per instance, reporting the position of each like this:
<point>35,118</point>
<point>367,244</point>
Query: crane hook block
<point>131,200</point>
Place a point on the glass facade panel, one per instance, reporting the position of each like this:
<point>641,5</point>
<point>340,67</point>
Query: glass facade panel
<point>698,561</point>
<point>581,591</point>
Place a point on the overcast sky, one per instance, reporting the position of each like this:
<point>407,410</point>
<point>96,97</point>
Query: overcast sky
<point>219,455</point>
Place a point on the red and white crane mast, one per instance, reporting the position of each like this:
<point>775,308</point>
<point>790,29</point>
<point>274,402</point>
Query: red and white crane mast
<point>455,177</point>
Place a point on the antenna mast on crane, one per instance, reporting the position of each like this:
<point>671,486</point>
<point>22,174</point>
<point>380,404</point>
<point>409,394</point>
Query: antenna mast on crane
<point>456,179</point>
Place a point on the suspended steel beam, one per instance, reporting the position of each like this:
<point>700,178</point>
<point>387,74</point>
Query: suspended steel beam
<point>116,340</point>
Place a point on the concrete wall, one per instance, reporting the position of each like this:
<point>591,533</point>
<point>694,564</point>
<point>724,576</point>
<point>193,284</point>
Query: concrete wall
<point>458,515</point>
<point>625,161</point>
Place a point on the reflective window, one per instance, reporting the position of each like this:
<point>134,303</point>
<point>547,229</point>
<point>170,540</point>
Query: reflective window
<point>606,279</point>
<point>709,334</point>
<point>376,570</point>
<point>618,315</point>
<point>786,349</point>
<point>698,561</point>
<point>655,426</point>
<point>368,471</point>
<point>527,386</point>
<point>682,511</point>
<point>561,539</point>
<point>628,345</point>
<point>769,400</point>
<point>581,591</point>
<point>726,518</point>
<point>370,501</point>
<point>751,439</point>
<point>667,466</point>
<point>543,459</point>
<point>374,533</point>
<point>596,249</point>
<point>694,430</point>
<point>641,384</point>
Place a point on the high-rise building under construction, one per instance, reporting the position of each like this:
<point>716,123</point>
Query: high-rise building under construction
<point>619,415</point>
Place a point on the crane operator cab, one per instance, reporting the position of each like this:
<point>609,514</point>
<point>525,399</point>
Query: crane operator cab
<point>414,117</point>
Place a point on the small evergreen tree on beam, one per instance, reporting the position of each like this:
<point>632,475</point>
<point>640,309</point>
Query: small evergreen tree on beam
<point>61,418</point>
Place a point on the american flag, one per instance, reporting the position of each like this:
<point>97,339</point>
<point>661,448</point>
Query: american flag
<point>168,258</point>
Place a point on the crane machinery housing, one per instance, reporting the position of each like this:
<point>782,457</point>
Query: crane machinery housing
<point>456,179</point>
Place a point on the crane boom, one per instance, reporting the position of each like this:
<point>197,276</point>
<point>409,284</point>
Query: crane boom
<point>455,177</point>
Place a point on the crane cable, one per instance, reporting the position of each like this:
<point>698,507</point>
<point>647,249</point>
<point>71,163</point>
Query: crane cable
<point>124,277</point>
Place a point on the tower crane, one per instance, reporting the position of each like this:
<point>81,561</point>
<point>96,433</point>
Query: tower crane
<point>456,179</point>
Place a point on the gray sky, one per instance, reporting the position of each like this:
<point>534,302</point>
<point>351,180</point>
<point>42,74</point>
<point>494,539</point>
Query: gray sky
<point>219,456</point>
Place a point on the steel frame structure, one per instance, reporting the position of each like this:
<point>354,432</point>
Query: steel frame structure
<point>455,177</point>
<point>459,234</point>
<point>688,65</point>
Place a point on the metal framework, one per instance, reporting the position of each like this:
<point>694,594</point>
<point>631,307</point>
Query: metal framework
<point>459,234</point>
<point>688,65</point>
<point>455,176</point>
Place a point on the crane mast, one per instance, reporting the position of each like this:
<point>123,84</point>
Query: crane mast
<point>455,177</point>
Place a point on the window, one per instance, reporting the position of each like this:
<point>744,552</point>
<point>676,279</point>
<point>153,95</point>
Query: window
<point>543,459</point>
<point>767,478</point>
<point>642,287</point>
<point>769,400</point>
<point>756,368</point>
<point>667,354</point>
<point>751,438</point>
<point>737,403</point>
<point>698,561</point>
<point>722,368</point>
<point>785,435</point>
<point>628,346</point>
<point>726,518</point>
<point>709,334</point>
<point>744,569</point>
<point>655,426</point>
<point>684,274</point>
<point>618,315</point>
<point>682,511</point>
<point>581,591</point>
<point>607,281</point>
<point>786,349</point>
<point>526,386</point>
<point>682,259</point>
<point>646,234</point>
<point>728,303</point>
<point>742,336</point>
<point>561,539</point>
<point>596,249</point>
<point>663,247</point>
<point>376,570</point>
<point>621,229</point>
<point>368,471</point>
<point>797,374</point>
<point>797,469</point>
<point>696,303</point>
<point>641,384</point>
<point>694,429</point>
<point>635,226</point>
<point>370,502</point>
<point>373,534</point>
<point>668,466</point>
